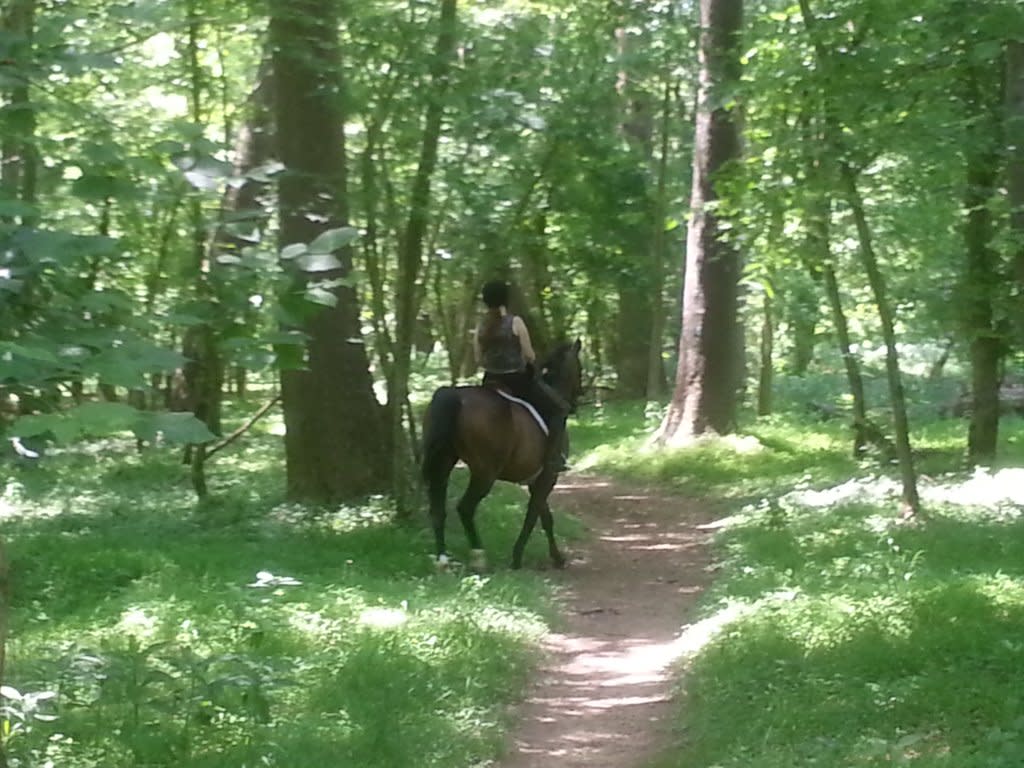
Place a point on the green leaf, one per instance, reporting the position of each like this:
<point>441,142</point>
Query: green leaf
<point>284,337</point>
<point>175,428</point>
<point>103,301</point>
<point>15,208</point>
<point>105,416</point>
<point>39,354</point>
<point>322,296</point>
<point>94,419</point>
<point>333,239</point>
<point>292,251</point>
<point>36,424</point>
<point>318,262</point>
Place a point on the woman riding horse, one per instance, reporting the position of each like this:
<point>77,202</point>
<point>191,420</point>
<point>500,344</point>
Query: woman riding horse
<point>503,350</point>
<point>496,438</point>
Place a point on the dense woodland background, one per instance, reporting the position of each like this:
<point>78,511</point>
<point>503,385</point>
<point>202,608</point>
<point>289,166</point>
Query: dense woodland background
<point>320,189</point>
<point>297,202</point>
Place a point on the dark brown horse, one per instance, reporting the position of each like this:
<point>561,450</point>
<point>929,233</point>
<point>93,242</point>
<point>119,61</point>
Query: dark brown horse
<point>498,440</point>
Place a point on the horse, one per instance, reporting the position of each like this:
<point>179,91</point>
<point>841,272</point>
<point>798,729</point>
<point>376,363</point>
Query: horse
<point>498,440</point>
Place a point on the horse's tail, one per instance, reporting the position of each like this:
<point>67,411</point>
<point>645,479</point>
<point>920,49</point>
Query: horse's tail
<point>439,435</point>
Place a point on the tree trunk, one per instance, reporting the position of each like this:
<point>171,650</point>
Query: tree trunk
<point>709,370</point>
<point>204,368</point>
<point>901,424</point>
<point>833,137</point>
<point>803,321</point>
<point>1015,171</point>
<point>537,280</point>
<point>767,372</point>
<point>370,243</point>
<point>817,214</point>
<point>633,331</point>
<point>981,276</point>
<point>655,365</point>
<point>18,156</point>
<point>335,444</point>
<point>5,602</point>
<point>410,254</point>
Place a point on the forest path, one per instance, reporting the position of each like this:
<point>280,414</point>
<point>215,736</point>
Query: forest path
<point>602,697</point>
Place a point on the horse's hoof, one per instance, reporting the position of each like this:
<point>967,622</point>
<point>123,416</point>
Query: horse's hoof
<point>441,564</point>
<point>559,562</point>
<point>516,564</point>
<point>477,560</point>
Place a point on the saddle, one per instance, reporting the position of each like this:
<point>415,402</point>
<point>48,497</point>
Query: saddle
<point>528,406</point>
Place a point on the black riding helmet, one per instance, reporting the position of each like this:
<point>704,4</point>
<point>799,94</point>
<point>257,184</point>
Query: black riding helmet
<point>495,294</point>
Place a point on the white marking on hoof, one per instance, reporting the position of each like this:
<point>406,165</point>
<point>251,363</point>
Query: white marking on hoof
<point>441,563</point>
<point>477,559</point>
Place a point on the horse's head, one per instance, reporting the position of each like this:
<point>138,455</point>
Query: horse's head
<point>564,372</point>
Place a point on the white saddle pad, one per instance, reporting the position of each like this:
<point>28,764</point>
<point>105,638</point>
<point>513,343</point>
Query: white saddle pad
<point>532,411</point>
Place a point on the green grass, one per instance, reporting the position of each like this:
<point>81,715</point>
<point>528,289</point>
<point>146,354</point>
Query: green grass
<point>847,638</point>
<point>146,625</point>
<point>249,631</point>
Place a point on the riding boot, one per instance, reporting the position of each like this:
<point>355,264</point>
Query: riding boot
<point>555,450</point>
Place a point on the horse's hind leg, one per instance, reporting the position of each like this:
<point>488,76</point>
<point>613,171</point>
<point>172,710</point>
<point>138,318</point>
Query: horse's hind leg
<point>437,492</point>
<point>479,486</point>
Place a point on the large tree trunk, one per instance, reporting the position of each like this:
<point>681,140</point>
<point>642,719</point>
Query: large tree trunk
<point>410,253</point>
<point>709,371</point>
<point>335,445</point>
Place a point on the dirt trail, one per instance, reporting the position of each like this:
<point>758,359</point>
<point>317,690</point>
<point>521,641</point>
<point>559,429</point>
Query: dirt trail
<point>603,696</point>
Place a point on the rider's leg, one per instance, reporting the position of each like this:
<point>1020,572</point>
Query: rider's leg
<point>555,410</point>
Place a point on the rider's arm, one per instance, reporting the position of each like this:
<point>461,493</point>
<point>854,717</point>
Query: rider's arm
<point>519,329</point>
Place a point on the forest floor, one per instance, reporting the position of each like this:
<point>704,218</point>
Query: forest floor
<point>603,695</point>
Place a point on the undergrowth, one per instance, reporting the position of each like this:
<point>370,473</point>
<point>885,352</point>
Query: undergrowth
<point>248,631</point>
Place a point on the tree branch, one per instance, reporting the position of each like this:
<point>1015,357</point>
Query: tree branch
<point>244,428</point>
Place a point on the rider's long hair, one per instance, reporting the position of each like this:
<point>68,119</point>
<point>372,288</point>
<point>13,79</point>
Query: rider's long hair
<point>495,296</point>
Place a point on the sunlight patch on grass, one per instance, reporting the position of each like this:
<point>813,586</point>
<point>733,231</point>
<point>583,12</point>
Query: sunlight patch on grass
<point>380,617</point>
<point>1000,492</point>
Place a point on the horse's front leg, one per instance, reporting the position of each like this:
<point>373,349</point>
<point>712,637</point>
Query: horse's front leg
<point>548,521</point>
<point>479,486</point>
<point>539,490</point>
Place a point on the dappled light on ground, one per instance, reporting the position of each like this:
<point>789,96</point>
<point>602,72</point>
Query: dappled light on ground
<point>1002,489</point>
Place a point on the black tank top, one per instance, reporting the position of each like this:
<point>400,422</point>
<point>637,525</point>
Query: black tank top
<point>500,351</point>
